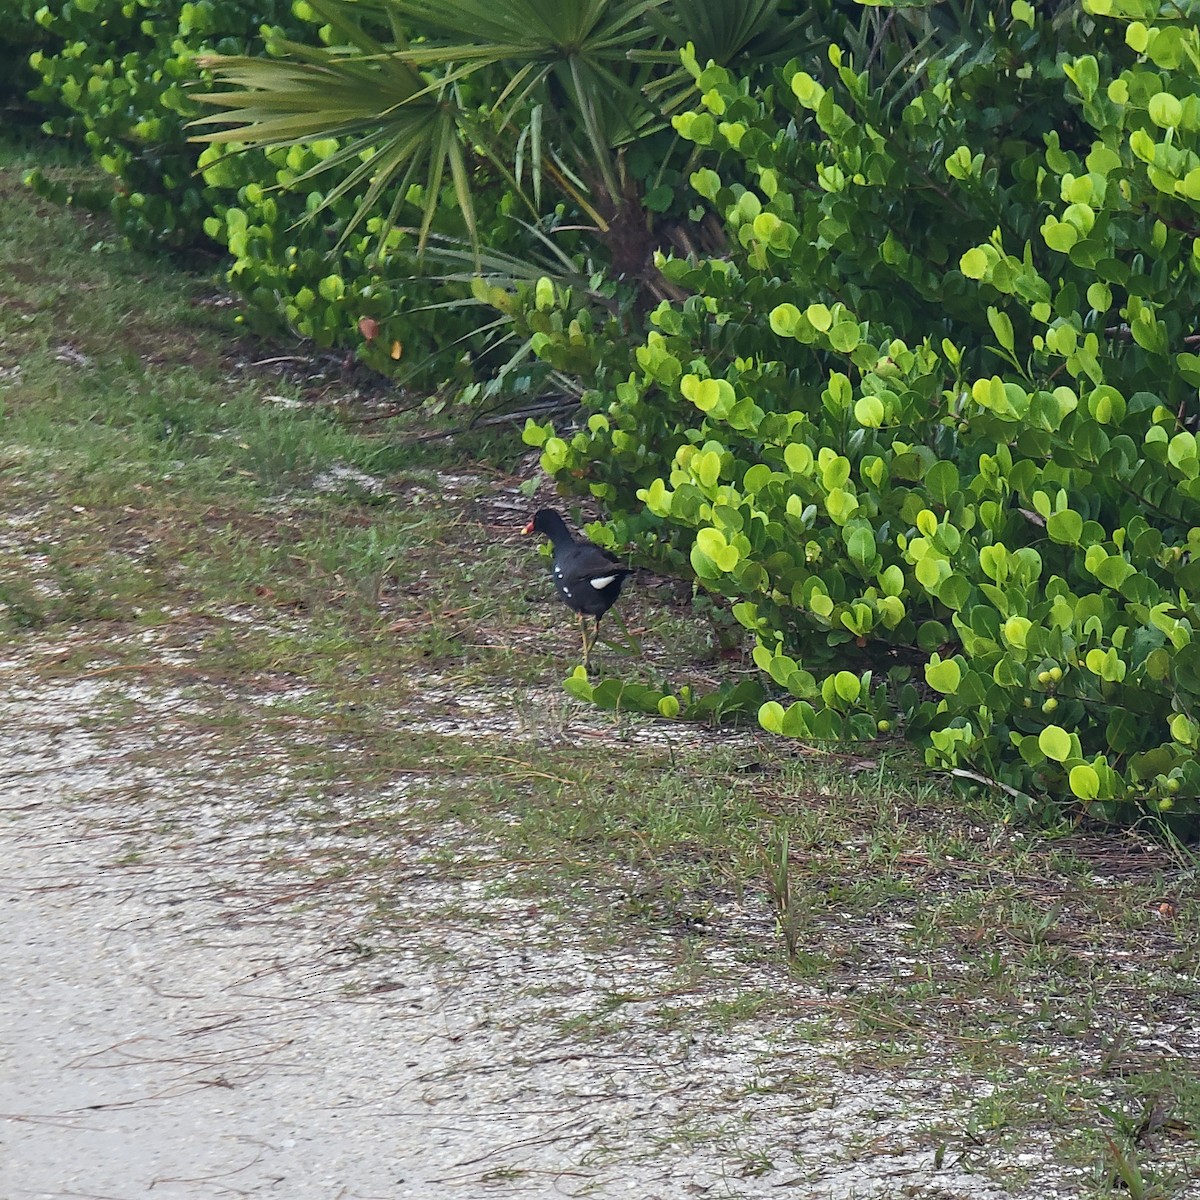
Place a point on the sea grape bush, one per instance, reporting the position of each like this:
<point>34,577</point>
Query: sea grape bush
<point>115,76</point>
<point>932,425</point>
<point>119,75</point>
<point>376,295</point>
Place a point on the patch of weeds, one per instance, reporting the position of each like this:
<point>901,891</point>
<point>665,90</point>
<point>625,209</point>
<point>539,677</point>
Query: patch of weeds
<point>589,1027</point>
<point>755,1163</point>
<point>22,607</point>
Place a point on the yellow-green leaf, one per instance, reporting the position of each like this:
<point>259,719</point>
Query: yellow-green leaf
<point>1085,782</point>
<point>1055,743</point>
<point>974,263</point>
<point>944,676</point>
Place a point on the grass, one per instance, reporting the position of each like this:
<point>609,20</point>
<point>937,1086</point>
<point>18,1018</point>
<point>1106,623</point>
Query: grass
<point>176,518</point>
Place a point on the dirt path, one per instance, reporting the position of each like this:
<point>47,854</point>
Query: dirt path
<point>196,1006</point>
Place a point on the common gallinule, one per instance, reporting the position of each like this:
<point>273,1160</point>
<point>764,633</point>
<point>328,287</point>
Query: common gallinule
<point>588,578</point>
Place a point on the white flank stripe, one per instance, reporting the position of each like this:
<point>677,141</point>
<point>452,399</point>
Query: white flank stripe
<point>601,581</point>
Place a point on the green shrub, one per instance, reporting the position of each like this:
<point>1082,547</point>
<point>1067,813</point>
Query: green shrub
<point>392,305</point>
<point>932,425</point>
<point>115,76</point>
<point>121,73</point>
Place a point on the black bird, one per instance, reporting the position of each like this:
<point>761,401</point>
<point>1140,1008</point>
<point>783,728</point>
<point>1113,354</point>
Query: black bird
<point>588,578</point>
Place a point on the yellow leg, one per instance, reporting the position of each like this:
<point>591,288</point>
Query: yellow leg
<point>583,635</point>
<point>588,643</point>
<point>587,658</point>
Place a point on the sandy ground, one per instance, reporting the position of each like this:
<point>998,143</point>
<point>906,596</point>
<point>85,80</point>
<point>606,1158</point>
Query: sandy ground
<point>194,1005</point>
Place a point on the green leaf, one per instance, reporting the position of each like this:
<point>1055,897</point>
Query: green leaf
<point>819,317</point>
<point>841,505</point>
<point>845,336</point>
<point>931,635</point>
<point>785,320</point>
<point>1084,73</point>
<point>1189,185</point>
<point>974,264</point>
<point>711,542</point>
<point>806,89</point>
<point>828,726</point>
<point>944,676</point>
<point>798,457</point>
<point>954,591</point>
<point>707,466</point>
<point>860,545</point>
<point>821,604</point>
<point>706,183</point>
<point>847,686</point>
<point>1055,743</point>
<point>796,719</point>
<point>1183,729</point>
<point>1107,405</point>
<point>708,395</point>
<point>1099,294</point>
<point>1105,663</point>
<point>1165,110</point>
<point>536,435</point>
<point>332,288</point>
<point>1059,235</point>
<point>1002,327</point>
<point>891,610</point>
<point>1084,781</point>
<point>770,716</point>
<point>659,199</point>
<point>1114,571</point>
<point>1065,527</point>
<point>1124,731</point>
<point>757,477</point>
<point>942,481</point>
<point>869,412</point>
<point>1016,631</point>
<point>578,685</point>
<point>781,667</point>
